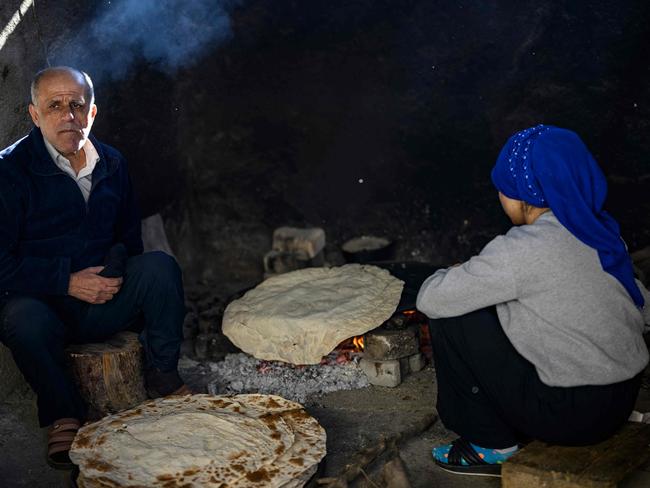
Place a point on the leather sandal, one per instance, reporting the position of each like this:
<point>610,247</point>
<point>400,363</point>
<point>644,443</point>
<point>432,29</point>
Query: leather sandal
<point>59,440</point>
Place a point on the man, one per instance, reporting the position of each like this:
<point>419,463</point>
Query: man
<point>65,202</point>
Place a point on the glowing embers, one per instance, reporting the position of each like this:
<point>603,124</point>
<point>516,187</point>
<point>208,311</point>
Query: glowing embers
<point>388,353</point>
<point>405,334</point>
<point>241,373</point>
<point>349,350</point>
<point>381,357</point>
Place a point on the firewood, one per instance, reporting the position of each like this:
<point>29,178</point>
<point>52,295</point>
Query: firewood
<point>391,474</point>
<point>109,374</point>
<point>366,456</point>
<point>332,482</point>
<point>394,474</point>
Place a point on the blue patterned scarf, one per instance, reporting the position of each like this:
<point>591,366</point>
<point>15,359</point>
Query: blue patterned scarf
<point>546,166</point>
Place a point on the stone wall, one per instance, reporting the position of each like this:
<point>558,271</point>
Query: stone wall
<point>359,117</point>
<point>40,32</point>
<point>20,57</point>
<point>385,118</point>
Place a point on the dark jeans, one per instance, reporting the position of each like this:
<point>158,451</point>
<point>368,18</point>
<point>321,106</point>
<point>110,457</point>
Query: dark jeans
<point>490,395</point>
<point>38,329</point>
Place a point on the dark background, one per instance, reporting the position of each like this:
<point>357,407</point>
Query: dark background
<point>279,124</point>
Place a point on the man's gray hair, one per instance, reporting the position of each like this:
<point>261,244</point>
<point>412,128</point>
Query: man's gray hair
<point>81,75</point>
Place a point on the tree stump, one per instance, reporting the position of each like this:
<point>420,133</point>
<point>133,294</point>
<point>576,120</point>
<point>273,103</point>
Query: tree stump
<point>109,374</point>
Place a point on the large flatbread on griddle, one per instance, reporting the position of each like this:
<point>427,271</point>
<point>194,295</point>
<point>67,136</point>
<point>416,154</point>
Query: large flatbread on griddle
<point>301,316</point>
<point>201,440</point>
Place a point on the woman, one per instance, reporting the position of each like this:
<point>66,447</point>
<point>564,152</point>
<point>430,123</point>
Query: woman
<point>540,335</point>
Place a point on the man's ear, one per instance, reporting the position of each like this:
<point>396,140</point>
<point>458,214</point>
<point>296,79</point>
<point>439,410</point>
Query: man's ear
<point>93,111</point>
<point>34,114</point>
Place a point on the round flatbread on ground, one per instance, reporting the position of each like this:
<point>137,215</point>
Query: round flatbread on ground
<point>301,316</point>
<point>239,441</point>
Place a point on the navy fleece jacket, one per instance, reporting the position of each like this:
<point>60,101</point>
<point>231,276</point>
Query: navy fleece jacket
<point>47,230</point>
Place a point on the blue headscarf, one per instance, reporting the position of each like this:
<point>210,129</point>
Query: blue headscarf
<point>546,166</point>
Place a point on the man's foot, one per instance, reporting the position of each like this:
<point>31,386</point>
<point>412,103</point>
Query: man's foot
<point>159,384</point>
<point>59,440</point>
<point>463,457</point>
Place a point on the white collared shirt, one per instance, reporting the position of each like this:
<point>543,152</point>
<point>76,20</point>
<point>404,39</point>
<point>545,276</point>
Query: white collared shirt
<point>85,177</point>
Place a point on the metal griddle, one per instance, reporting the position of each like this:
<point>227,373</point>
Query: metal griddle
<point>412,274</point>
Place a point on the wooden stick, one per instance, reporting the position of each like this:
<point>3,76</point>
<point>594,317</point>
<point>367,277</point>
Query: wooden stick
<point>370,482</point>
<point>394,474</point>
<point>366,456</point>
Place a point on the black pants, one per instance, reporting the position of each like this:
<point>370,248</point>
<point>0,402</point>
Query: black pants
<point>37,330</point>
<point>490,395</point>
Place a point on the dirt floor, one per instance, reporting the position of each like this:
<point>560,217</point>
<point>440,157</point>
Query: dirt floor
<point>358,419</point>
<point>353,420</point>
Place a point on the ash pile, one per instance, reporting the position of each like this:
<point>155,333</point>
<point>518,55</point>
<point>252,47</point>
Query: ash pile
<point>241,373</point>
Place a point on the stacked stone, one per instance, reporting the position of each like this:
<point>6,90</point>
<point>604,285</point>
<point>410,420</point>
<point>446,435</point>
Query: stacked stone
<point>201,330</point>
<point>389,355</point>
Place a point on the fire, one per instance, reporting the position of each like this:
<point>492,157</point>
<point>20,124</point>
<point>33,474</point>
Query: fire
<point>408,313</point>
<point>348,350</point>
<point>353,344</point>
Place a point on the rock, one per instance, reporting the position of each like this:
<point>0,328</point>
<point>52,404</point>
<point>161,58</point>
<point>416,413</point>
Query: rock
<point>187,348</point>
<point>214,310</point>
<point>382,373</point>
<point>306,243</point>
<point>190,326</point>
<point>211,346</point>
<point>404,366</point>
<point>278,262</point>
<point>416,362</point>
<point>207,303</point>
<point>209,319</point>
<point>390,344</point>
<point>205,326</point>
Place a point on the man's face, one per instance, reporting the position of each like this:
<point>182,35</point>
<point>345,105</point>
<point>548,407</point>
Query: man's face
<point>62,112</point>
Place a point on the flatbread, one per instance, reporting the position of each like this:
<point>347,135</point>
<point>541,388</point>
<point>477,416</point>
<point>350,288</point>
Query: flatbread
<point>241,441</point>
<point>301,316</point>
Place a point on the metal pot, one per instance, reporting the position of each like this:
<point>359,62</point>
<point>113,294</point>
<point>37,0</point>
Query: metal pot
<point>365,249</point>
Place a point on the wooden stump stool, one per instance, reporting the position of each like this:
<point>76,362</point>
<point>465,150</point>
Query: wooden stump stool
<point>602,465</point>
<point>109,374</point>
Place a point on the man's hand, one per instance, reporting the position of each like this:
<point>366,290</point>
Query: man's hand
<point>88,286</point>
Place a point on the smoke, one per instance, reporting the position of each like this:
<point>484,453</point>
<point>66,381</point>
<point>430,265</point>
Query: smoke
<point>169,34</point>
